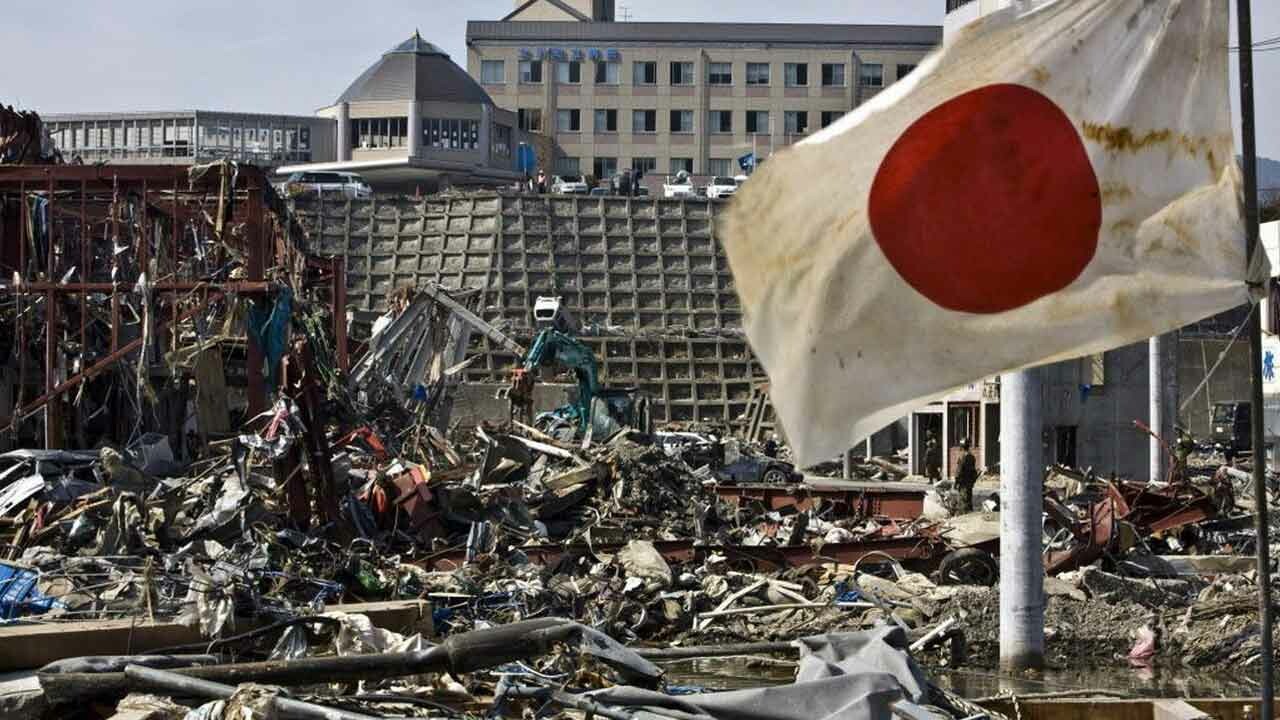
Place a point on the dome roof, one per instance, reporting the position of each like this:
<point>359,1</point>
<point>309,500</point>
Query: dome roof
<point>415,70</point>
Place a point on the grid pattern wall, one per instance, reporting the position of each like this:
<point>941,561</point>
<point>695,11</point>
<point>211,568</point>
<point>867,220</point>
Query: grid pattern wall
<point>646,277</point>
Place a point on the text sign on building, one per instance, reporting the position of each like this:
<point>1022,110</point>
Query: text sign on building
<point>571,54</point>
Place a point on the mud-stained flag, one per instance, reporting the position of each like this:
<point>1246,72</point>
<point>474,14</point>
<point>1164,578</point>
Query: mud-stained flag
<point>1051,183</point>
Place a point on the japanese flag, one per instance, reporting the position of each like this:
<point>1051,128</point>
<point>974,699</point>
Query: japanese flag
<point>1051,183</point>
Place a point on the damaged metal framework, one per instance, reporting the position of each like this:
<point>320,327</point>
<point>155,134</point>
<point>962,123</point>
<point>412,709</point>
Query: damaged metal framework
<point>129,280</point>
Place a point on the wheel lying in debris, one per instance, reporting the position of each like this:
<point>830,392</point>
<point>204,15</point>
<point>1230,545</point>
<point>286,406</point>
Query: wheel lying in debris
<point>968,566</point>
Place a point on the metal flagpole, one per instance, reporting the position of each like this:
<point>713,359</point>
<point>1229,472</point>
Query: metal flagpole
<point>1250,160</point>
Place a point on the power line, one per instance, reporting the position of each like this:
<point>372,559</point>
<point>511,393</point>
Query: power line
<point>1271,41</point>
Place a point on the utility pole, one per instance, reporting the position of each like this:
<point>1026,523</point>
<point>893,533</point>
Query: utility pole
<point>1162,391</point>
<point>1021,523</point>
<point>1248,142</point>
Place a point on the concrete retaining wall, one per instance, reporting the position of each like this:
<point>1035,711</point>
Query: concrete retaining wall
<point>645,276</point>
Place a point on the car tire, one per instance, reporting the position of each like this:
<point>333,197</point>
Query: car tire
<point>968,566</point>
<point>775,476</point>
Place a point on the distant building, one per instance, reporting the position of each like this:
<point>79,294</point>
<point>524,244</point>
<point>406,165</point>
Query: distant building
<point>415,120</point>
<point>669,96</point>
<point>187,136</point>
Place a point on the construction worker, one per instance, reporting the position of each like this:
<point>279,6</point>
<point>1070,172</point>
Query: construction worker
<point>966,476</point>
<point>932,459</point>
<point>1182,449</point>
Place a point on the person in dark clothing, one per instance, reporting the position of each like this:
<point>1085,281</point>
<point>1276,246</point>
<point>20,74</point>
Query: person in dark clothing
<point>966,476</point>
<point>542,182</point>
<point>932,459</point>
<point>771,447</point>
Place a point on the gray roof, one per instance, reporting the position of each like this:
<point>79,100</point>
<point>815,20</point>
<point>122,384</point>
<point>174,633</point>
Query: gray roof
<point>181,113</point>
<point>704,33</point>
<point>415,69</point>
<point>569,9</point>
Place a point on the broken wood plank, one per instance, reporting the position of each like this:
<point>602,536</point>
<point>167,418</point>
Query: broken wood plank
<point>35,644</point>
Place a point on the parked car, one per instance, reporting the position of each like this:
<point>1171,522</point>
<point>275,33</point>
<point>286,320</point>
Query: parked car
<point>749,469</point>
<point>721,188</point>
<point>680,187</point>
<point>569,185</point>
<point>599,191</point>
<point>349,184</point>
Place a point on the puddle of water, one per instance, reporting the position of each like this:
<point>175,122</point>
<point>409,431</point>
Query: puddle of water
<point>1175,681</point>
<point>742,672</point>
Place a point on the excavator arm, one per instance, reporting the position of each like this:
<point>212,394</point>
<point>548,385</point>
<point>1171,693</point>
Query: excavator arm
<point>552,347</point>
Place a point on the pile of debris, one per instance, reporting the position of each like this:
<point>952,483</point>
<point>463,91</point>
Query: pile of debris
<point>535,550</point>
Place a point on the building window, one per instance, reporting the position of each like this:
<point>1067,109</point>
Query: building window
<point>830,116</point>
<point>529,119</point>
<point>446,134</point>
<point>757,73</point>
<point>568,166</point>
<point>797,122</point>
<point>604,167</point>
<point>607,73</point>
<point>720,73</point>
<point>644,165</point>
<point>569,120</point>
<point>905,70</point>
<point>531,71</point>
<point>606,121</point>
<point>569,73</point>
<point>681,164</point>
<point>644,73</point>
<point>366,134</point>
<point>721,121</point>
<point>644,121</point>
<point>681,121</point>
<point>493,72</point>
<point>758,122</point>
<point>832,74</point>
<point>720,166</point>
<point>955,4</point>
<point>871,75</point>
<point>502,141</point>
<point>681,73</point>
<point>797,74</point>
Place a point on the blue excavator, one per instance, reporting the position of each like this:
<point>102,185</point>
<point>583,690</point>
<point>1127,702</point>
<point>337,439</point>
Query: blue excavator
<point>600,411</point>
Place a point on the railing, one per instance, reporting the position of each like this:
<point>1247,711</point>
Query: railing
<point>956,4</point>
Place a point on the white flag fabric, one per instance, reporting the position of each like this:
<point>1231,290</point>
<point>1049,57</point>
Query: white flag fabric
<point>1051,183</point>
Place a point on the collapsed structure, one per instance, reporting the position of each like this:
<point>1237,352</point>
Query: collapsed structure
<point>226,497</point>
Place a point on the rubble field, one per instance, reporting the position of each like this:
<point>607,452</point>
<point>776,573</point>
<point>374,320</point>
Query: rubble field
<point>295,526</point>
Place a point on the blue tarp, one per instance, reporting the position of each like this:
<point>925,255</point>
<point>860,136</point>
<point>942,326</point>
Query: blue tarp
<point>19,595</point>
<point>270,330</point>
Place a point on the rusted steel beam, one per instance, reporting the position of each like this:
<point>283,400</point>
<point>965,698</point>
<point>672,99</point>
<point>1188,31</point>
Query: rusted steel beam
<point>234,286</point>
<point>893,503</point>
<point>90,173</point>
<point>52,416</point>
<point>101,365</point>
<point>97,176</point>
<point>340,311</point>
<point>255,239</point>
<point>925,550</point>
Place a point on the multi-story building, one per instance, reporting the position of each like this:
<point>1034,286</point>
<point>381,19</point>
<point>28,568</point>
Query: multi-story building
<point>670,96</point>
<point>415,119</point>
<point>187,136</point>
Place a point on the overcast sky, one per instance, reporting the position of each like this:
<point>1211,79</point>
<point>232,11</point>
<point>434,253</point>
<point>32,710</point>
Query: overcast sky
<point>293,56</point>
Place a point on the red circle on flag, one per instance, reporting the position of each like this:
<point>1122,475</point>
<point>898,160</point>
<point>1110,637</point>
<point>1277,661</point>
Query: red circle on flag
<point>988,201</point>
